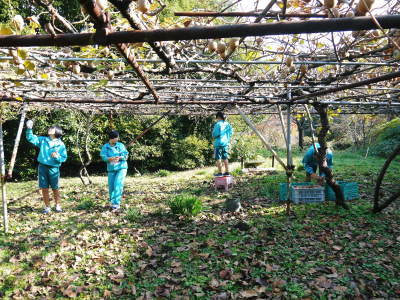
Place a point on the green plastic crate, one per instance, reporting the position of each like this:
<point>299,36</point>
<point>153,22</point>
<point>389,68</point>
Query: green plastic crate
<point>349,189</point>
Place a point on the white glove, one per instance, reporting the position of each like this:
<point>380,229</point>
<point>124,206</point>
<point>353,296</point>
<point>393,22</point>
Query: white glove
<point>29,124</point>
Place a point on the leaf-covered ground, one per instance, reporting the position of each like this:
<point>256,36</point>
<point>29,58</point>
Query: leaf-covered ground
<point>144,252</point>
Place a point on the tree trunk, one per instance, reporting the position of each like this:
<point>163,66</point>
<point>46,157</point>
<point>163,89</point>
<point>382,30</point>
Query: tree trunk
<point>323,165</point>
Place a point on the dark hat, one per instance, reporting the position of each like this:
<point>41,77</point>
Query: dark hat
<point>113,134</point>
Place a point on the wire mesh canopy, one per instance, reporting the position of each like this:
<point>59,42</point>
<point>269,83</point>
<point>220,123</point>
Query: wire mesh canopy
<point>348,63</point>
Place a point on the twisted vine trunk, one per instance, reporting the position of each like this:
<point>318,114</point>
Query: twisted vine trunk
<point>83,172</point>
<point>378,208</point>
<point>322,110</point>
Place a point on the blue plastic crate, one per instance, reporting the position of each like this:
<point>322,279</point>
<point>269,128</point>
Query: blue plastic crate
<point>349,189</point>
<point>283,189</point>
<point>307,194</point>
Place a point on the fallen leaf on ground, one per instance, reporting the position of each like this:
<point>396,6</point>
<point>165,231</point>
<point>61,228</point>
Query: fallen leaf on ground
<point>249,293</point>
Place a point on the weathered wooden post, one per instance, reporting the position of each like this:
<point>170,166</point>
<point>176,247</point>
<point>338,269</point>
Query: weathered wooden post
<point>288,135</point>
<point>262,138</point>
<point>3,177</point>
<point>289,163</point>
<point>17,139</point>
<point>282,124</point>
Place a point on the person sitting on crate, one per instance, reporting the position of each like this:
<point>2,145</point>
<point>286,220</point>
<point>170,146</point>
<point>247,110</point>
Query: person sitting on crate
<point>222,133</point>
<point>310,163</point>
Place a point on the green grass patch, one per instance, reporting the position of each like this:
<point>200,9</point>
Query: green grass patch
<point>133,214</point>
<point>86,204</point>
<point>163,173</point>
<point>185,205</point>
<point>318,252</point>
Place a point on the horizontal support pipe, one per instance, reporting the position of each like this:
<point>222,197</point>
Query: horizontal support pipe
<point>348,86</point>
<point>77,82</point>
<point>126,87</point>
<point>245,14</point>
<point>115,101</point>
<point>350,103</point>
<point>210,111</point>
<point>185,96</point>
<point>124,90</point>
<point>229,62</point>
<point>127,80</point>
<point>202,32</point>
<point>204,102</point>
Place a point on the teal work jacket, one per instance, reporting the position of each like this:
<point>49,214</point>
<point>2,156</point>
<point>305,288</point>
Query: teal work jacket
<point>222,133</point>
<point>310,162</point>
<point>47,146</point>
<point>118,149</point>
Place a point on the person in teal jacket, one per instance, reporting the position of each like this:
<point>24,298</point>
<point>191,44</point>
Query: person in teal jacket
<point>222,133</point>
<point>51,155</point>
<point>310,163</point>
<point>115,155</point>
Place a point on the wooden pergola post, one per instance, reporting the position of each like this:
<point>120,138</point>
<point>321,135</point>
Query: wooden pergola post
<point>262,138</point>
<point>2,180</point>
<point>282,124</point>
<point>17,139</point>
<point>289,162</point>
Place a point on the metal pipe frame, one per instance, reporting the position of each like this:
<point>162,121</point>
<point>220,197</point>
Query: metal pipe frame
<point>79,81</point>
<point>127,80</point>
<point>119,87</point>
<point>183,95</point>
<point>373,80</point>
<point>216,96</point>
<point>202,32</point>
<point>175,102</point>
<point>224,95</point>
<point>229,62</point>
<point>202,110</point>
<point>245,14</point>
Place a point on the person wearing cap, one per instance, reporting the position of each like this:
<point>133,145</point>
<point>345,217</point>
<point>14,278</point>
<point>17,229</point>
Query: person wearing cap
<point>115,155</point>
<point>51,155</point>
<point>222,133</point>
<point>310,163</point>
